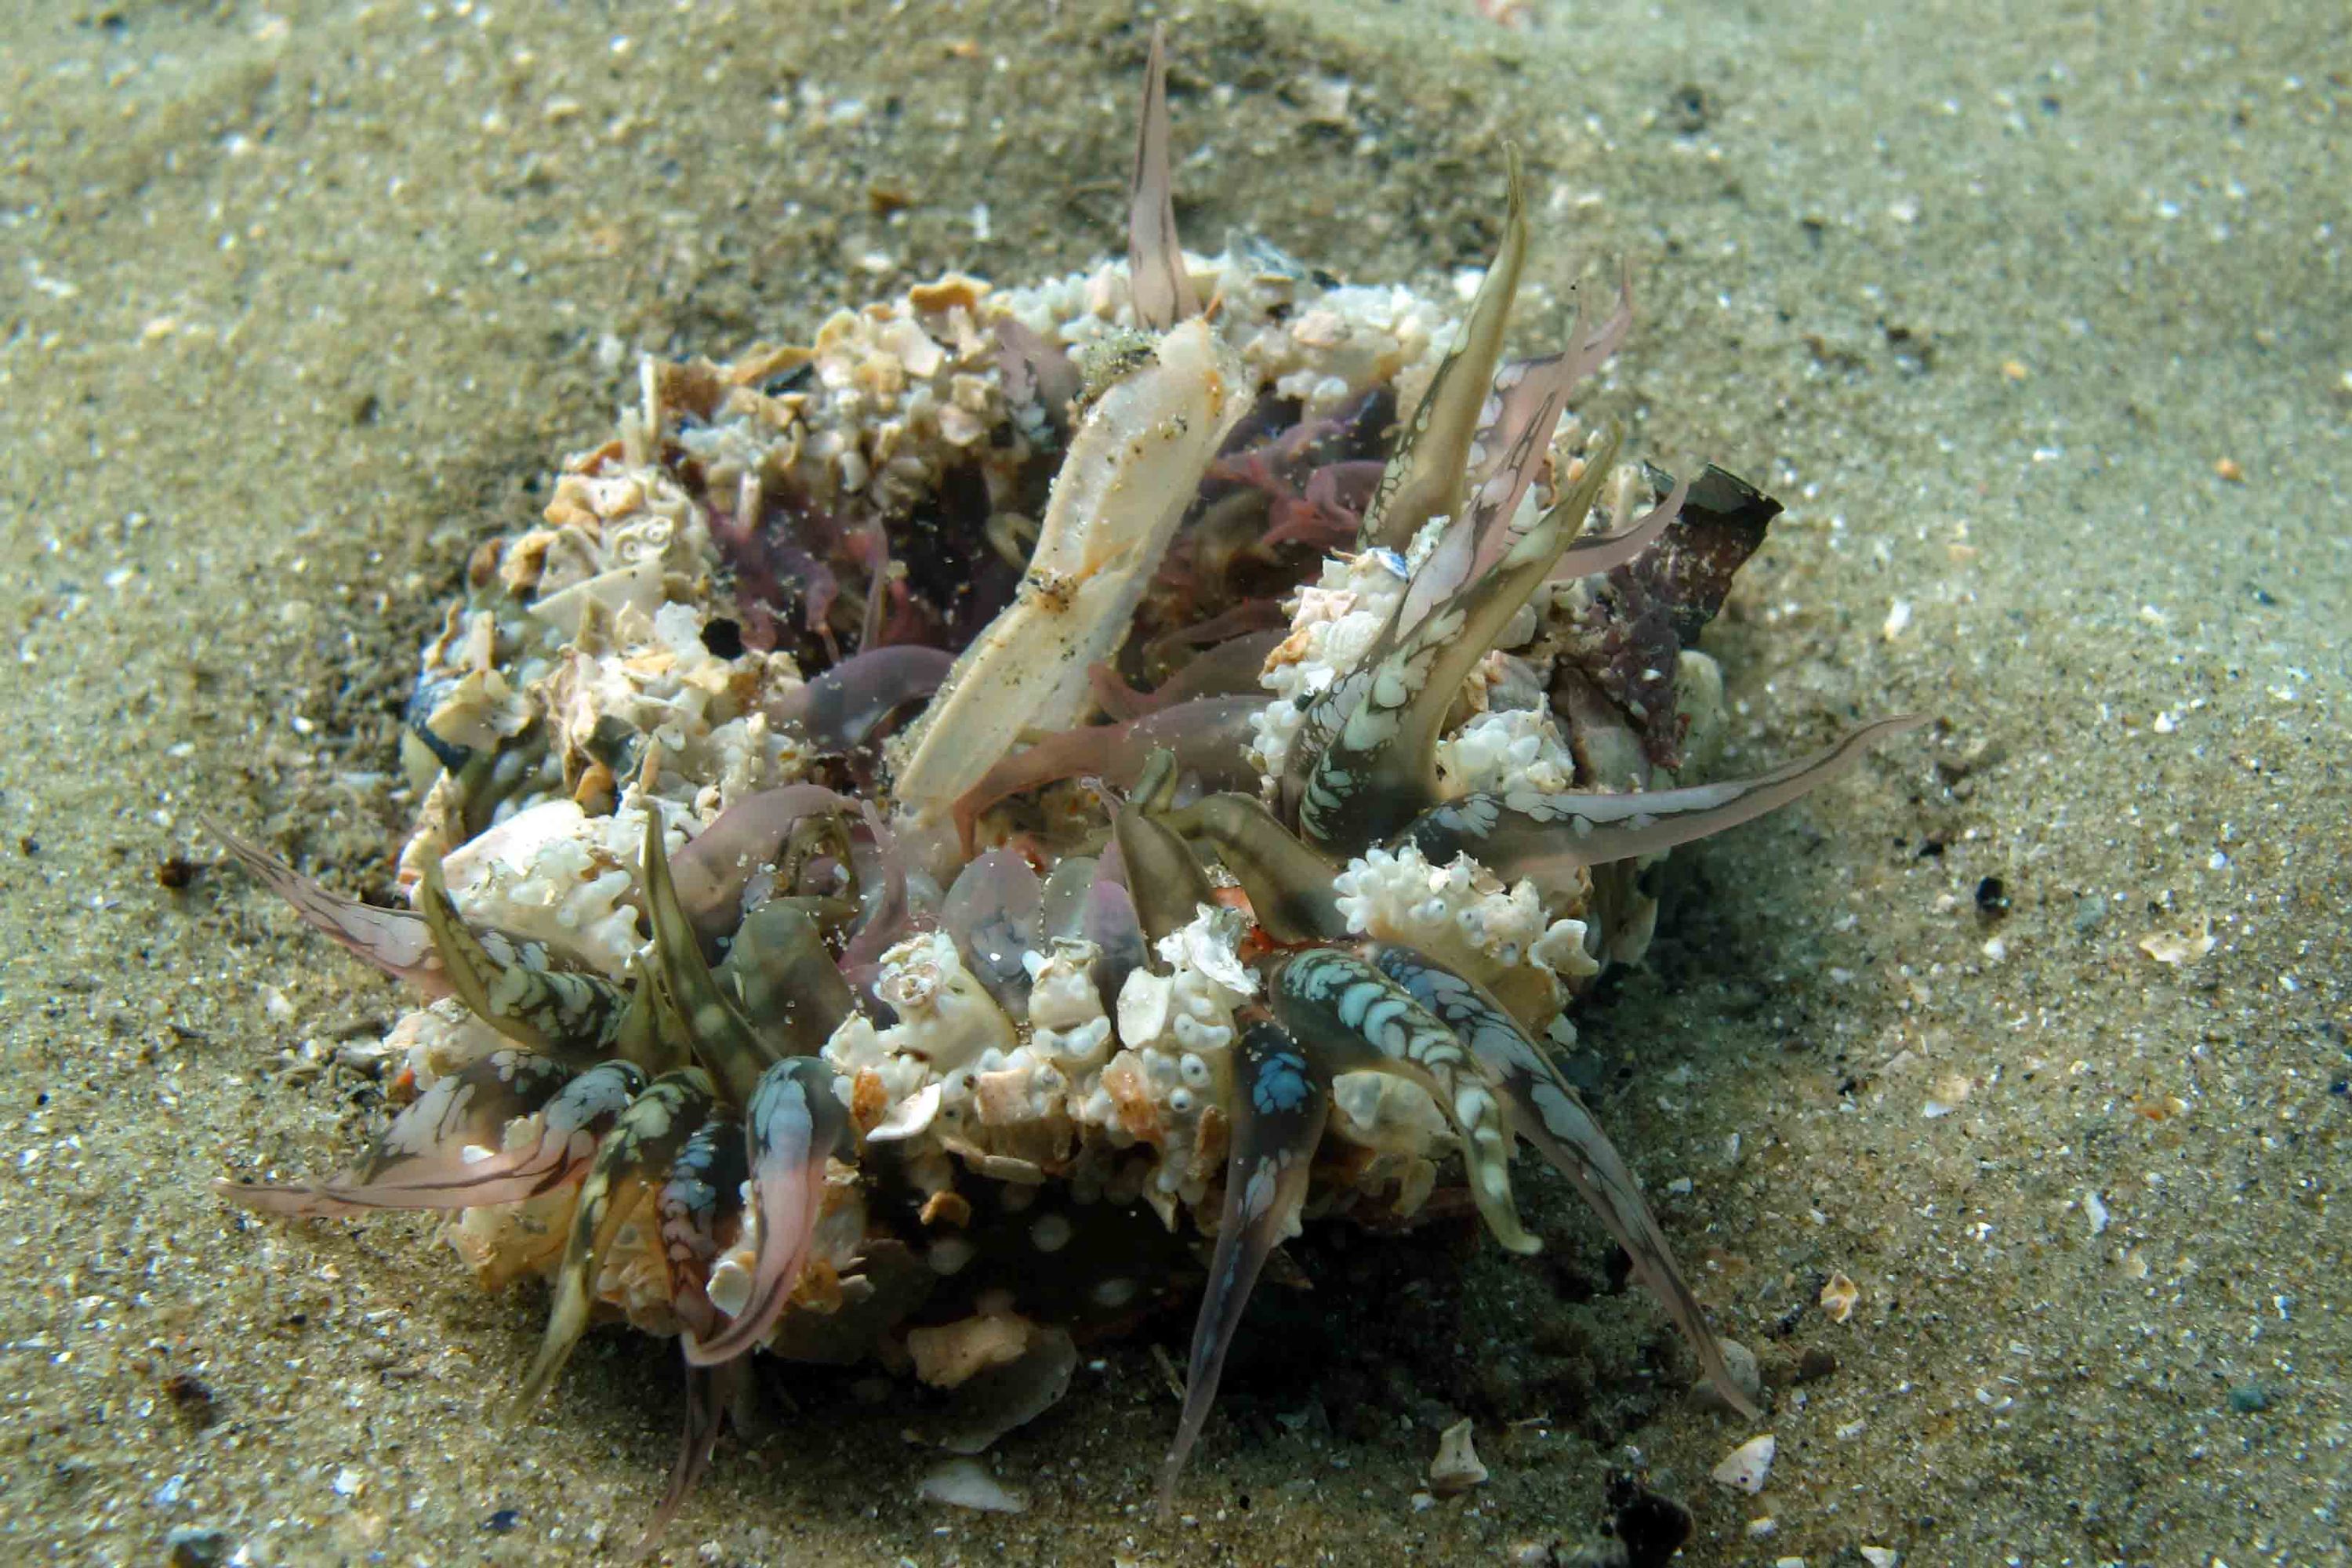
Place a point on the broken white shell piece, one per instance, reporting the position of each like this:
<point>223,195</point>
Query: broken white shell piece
<point>945,1016</point>
<point>910,1118</point>
<point>1209,945</point>
<point>966,1483</point>
<point>1062,995</point>
<point>1746,1468</point>
<point>1457,1467</point>
<point>637,586</point>
<point>2179,947</point>
<point>1133,466</point>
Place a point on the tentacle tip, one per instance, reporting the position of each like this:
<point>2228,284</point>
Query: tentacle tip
<point>1171,1470</point>
<point>536,1383</point>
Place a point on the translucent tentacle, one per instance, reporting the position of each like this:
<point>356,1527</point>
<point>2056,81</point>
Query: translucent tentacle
<point>785,984</point>
<point>1423,478</point>
<point>839,708</point>
<point>1162,876</point>
<point>395,940</point>
<point>1534,392</point>
<point>1155,259</point>
<point>1607,551</point>
<point>1289,884</point>
<point>1282,1097</point>
<point>887,919</point>
<point>715,1029</point>
<point>1549,836</point>
<point>1546,1112</point>
<point>1380,768</point>
<point>1228,669</point>
<point>431,1155</point>
<point>574,1016</point>
<point>1109,920</point>
<point>993,911</point>
<point>1210,735</point>
<point>710,871</point>
<point>710,1392</point>
<point>638,1151</point>
<point>699,1206</point>
<point>1357,1019</point>
<point>794,1124</point>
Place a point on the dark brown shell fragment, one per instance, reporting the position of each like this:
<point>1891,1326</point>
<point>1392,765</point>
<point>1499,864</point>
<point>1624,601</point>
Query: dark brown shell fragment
<point>1625,640</point>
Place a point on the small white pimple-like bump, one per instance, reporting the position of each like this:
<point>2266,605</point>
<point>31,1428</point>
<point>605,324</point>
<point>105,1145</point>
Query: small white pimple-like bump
<point>1196,1071</point>
<point>1050,1233</point>
<point>1179,1100</point>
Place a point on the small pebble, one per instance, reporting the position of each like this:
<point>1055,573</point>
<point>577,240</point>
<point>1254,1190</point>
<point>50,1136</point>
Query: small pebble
<point>1740,1362</point>
<point>1838,1298</point>
<point>503,1521</point>
<point>2248,1398</point>
<point>1881,1556</point>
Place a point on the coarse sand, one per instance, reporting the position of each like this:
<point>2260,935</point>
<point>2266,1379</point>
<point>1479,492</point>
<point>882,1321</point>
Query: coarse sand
<point>2031,1035</point>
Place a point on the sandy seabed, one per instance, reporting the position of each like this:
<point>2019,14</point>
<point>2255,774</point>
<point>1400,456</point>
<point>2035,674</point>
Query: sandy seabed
<point>2035,315</point>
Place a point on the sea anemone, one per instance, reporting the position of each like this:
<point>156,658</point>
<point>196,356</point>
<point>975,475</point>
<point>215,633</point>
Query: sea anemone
<point>936,822</point>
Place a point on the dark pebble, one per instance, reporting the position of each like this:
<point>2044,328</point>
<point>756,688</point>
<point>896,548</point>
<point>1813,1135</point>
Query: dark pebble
<point>1815,1364</point>
<point>196,1546</point>
<point>722,638</point>
<point>1652,1527</point>
<point>503,1521</point>
<point>2249,1397</point>
<point>193,1398</point>
<point>1992,898</point>
<point>175,872</point>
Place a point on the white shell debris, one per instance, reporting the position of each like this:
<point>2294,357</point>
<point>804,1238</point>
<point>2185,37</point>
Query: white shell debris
<point>1950,1093</point>
<point>2179,947</point>
<point>2096,1212</point>
<point>1457,1467</point>
<point>1838,1297</point>
<point>1744,1468</point>
<point>966,1483</point>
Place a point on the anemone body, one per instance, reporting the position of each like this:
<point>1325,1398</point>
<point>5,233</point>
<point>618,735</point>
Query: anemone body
<point>848,946</point>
